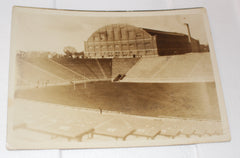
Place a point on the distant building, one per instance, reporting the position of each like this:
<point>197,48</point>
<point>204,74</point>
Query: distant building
<point>124,41</point>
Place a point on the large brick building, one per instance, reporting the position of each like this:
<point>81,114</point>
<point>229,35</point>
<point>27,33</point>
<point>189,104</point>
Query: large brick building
<point>124,41</point>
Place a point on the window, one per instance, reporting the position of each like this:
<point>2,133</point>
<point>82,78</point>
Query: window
<point>139,35</point>
<point>148,45</point>
<point>124,47</point>
<point>90,48</point>
<point>131,46</point>
<point>117,47</point>
<point>96,38</point>
<point>104,47</point>
<point>102,36</point>
<point>110,47</point>
<point>131,35</point>
<point>140,46</point>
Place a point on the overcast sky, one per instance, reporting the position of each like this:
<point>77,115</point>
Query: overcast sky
<point>53,30</point>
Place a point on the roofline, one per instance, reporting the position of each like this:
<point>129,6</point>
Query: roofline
<point>163,32</point>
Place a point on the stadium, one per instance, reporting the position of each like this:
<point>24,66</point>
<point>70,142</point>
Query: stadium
<point>129,83</point>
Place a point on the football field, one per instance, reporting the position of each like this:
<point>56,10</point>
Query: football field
<point>184,100</point>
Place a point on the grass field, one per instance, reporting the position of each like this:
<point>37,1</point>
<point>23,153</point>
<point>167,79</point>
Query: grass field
<point>186,100</point>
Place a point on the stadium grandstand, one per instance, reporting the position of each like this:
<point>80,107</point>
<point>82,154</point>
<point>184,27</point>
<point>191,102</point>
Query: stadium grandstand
<point>191,67</point>
<point>119,52</point>
<point>60,70</point>
<point>129,83</point>
<point>45,122</point>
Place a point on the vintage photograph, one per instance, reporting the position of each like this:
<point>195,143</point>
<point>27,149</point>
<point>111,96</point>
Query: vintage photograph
<point>82,79</point>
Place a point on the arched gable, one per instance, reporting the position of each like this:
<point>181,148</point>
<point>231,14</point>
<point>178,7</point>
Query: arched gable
<point>118,32</point>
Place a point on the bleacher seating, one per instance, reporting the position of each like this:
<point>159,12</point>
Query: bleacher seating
<point>146,127</point>
<point>106,65</point>
<point>46,118</point>
<point>115,127</point>
<point>90,68</point>
<point>191,67</point>
<point>39,70</point>
<point>58,70</point>
<point>122,65</point>
<point>29,75</point>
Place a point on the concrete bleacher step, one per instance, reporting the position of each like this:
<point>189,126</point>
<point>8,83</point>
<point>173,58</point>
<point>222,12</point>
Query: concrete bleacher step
<point>29,74</point>
<point>89,68</point>
<point>191,67</point>
<point>101,69</point>
<point>76,74</point>
<point>81,124</point>
<point>115,127</point>
<point>50,66</point>
<point>122,65</point>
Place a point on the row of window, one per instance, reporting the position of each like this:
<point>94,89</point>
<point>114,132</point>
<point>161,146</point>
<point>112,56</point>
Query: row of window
<point>117,35</point>
<point>147,45</point>
<point>121,54</point>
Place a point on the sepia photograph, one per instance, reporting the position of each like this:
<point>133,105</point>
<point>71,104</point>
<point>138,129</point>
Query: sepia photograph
<point>88,79</point>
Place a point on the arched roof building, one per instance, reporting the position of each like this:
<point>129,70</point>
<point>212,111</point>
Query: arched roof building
<point>120,40</point>
<point>127,41</point>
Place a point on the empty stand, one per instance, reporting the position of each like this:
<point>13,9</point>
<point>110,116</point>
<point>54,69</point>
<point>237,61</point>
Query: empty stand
<point>146,127</point>
<point>115,127</point>
<point>122,65</point>
<point>30,75</point>
<point>40,71</point>
<point>90,68</point>
<point>191,67</point>
<point>44,121</point>
<point>54,68</point>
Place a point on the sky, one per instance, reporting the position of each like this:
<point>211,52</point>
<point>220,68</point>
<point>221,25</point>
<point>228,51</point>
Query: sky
<point>51,30</point>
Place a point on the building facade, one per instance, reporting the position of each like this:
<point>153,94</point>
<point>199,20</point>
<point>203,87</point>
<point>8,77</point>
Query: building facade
<point>127,41</point>
<point>120,41</point>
